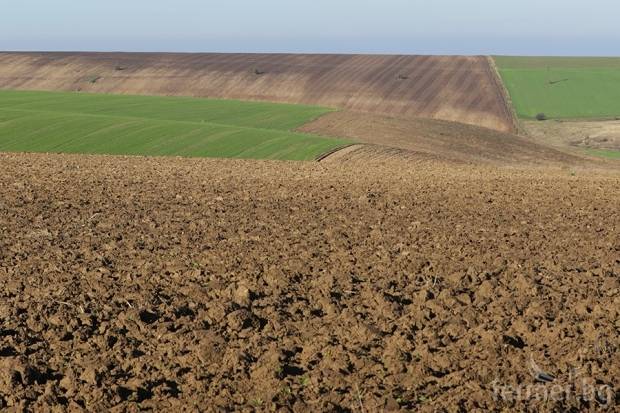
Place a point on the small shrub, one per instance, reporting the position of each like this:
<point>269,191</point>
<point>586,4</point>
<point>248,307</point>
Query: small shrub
<point>93,79</point>
<point>541,117</point>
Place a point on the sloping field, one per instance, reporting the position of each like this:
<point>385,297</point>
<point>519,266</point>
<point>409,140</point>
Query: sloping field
<point>132,284</point>
<point>562,87</point>
<point>147,125</point>
<point>432,139</point>
<point>463,89</point>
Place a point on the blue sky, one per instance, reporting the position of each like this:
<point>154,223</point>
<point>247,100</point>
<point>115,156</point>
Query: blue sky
<point>524,27</point>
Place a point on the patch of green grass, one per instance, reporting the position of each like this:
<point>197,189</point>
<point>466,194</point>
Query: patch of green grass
<point>155,126</point>
<point>422,399</point>
<point>562,87</point>
<point>256,402</point>
<point>604,153</point>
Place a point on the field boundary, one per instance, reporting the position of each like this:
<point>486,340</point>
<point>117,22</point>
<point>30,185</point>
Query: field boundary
<point>510,108</point>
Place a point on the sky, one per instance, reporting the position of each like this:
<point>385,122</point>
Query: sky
<point>524,27</point>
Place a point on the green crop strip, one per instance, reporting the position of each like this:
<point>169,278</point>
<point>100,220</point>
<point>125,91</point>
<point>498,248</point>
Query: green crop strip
<point>604,153</point>
<point>157,126</point>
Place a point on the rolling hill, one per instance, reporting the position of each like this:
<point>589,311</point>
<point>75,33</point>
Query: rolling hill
<point>456,88</point>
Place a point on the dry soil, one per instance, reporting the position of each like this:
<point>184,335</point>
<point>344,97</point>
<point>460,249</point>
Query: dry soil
<point>225,285</point>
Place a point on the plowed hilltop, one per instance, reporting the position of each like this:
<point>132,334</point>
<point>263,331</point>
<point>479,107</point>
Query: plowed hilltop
<point>455,88</point>
<point>175,284</point>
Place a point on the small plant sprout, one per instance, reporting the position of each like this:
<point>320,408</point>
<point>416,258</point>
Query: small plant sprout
<point>258,402</point>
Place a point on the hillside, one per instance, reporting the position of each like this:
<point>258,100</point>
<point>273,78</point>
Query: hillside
<point>434,139</point>
<point>458,88</point>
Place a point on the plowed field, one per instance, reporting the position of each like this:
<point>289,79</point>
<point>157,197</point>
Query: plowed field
<point>457,88</point>
<point>189,284</point>
<point>432,139</point>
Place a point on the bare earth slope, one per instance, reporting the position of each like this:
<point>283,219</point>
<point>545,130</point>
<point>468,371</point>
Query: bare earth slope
<point>583,134</point>
<point>433,139</point>
<point>222,285</point>
<point>458,88</point>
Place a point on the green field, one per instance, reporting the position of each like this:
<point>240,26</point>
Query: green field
<point>562,87</point>
<point>604,153</point>
<point>148,125</point>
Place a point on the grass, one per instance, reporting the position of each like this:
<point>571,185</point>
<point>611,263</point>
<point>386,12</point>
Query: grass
<point>604,153</point>
<point>562,87</point>
<point>157,126</point>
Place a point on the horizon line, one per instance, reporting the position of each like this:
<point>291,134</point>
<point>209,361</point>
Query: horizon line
<point>352,53</point>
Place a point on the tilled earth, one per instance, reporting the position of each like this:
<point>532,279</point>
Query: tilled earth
<point>397,137</point>
<point>188,285</point>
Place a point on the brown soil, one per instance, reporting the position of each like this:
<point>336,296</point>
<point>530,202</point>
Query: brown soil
<point>576,134</point>
<point>433,139</point>
<point>360,153</point>
<point>456,88</point>
<point>178,284</point>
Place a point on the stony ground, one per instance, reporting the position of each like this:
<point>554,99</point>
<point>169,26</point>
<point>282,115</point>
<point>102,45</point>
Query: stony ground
<point>183,285</point>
